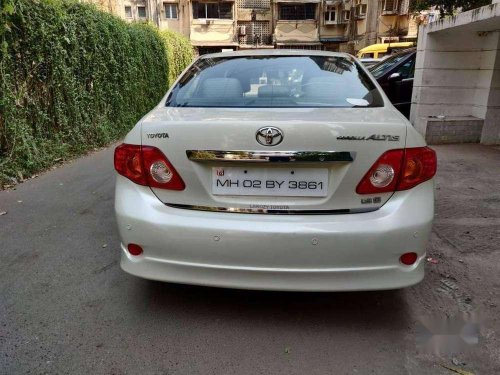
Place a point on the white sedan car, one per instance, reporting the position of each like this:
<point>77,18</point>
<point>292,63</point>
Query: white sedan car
<point>281,170</point>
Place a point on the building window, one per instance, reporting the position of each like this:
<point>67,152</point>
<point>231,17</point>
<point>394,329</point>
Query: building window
<point>128,11</point>
<point>170,10</point>
<point>390,6</point>
<point>302,46</point>
<point>346,15</point>
<point>361,10</point>
<point>331,16</point>
<point>304,11</point>
<point>141,11</point>
<point>212,10</point>
<point>253,4</point>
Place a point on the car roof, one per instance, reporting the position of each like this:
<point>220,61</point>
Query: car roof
<point>384,45</point>
<point>405,51</point>
<point>275,52</point>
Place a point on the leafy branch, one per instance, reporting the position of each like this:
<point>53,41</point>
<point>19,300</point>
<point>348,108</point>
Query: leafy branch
<point>447,7</point>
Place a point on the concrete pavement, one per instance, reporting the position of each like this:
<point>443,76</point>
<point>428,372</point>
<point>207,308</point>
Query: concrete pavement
<point>67,308</point>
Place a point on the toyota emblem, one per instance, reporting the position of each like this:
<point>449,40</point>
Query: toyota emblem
<point>269,136</point>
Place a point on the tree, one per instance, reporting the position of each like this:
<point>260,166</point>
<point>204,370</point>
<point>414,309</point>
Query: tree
<point>447,7</point>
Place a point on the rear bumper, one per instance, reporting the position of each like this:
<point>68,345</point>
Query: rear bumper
<point>333,279</point>
<point>297,252</point>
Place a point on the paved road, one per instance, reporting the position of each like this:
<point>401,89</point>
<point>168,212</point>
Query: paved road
<point>67,308</point>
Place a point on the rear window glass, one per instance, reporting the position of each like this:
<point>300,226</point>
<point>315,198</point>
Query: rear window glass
<point>382,67</point>
<point>275,81</point>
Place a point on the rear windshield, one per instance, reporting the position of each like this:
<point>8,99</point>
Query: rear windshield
<point>382,67</point>
<point>275,81</point>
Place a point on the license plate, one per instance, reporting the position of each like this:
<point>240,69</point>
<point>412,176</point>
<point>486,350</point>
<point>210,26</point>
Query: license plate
<point>288,182</point>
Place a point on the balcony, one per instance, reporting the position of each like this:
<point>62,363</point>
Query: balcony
<point>302,31</point>
<point>213,32</point>
<point>213,23</point>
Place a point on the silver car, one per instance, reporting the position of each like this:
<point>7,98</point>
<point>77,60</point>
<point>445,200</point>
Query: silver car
<point>282,170</point>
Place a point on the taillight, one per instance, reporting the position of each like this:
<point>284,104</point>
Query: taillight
<point>128,163</point>
<point>389,161</point>
<point>146,165</point>
<point>419,166</point>
<point>160,173</point>
<point>399,169</point>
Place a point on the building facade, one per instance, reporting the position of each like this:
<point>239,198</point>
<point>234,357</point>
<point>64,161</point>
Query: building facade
<point>213,26</point>
<point>379,21</point>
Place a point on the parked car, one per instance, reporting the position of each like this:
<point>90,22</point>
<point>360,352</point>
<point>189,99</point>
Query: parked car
<point>376,51</point>
<point>367,62</point>
<point>282,170</point>
<point>395,75</point>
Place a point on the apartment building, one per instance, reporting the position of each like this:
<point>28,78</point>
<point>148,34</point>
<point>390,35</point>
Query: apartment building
<point>254,24</point>
<point>379,21</point>
<point>212,26</point>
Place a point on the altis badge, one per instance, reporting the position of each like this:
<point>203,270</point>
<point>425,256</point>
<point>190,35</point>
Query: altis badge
<point>373,137</point>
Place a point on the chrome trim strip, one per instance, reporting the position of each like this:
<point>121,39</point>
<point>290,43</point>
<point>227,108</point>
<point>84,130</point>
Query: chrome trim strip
<point>239,210</point>
<point>270,156</point>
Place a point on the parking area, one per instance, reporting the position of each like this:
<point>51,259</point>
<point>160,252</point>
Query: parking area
<point>66,307</point>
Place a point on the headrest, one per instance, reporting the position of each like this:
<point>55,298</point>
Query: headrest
<point>328,87</point>
<point>221,88</point>
<point>273,91</point>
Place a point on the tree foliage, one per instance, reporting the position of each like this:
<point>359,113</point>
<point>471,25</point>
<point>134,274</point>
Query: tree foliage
<point>447,7</point>
<point>72,78</point>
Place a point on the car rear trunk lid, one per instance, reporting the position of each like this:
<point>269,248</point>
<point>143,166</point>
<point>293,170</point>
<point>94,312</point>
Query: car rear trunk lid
<point>322,156</point>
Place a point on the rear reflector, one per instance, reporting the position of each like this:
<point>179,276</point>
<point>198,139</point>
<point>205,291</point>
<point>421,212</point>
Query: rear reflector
<point>134,249</point>
<point>408,258</point>
<point>399,169</point>
<point>146,165</point>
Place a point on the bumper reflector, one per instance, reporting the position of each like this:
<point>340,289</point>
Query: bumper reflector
<point>134,249</point>
<point>408,258</point>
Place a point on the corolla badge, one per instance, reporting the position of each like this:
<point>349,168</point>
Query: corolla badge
<point>373,137</point>
<point>269,136</point>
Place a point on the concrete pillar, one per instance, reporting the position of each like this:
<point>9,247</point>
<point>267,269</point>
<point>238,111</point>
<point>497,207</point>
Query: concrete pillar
<point>372,14</point>
<point>491,127</point>
<point>457,78</point>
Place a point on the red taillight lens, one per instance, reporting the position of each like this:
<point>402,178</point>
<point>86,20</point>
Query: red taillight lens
<point>128,163</point>
<point>160,173</point>
<point>399,170</point>
<point>419,166</point>
<point>147,166</point>
<point>389,160</point>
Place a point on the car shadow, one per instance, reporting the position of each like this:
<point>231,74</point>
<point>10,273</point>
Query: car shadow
<point>361,310</point>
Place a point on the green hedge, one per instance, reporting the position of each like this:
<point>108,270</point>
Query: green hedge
<point>73,78</point>
<point>180,53</point>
